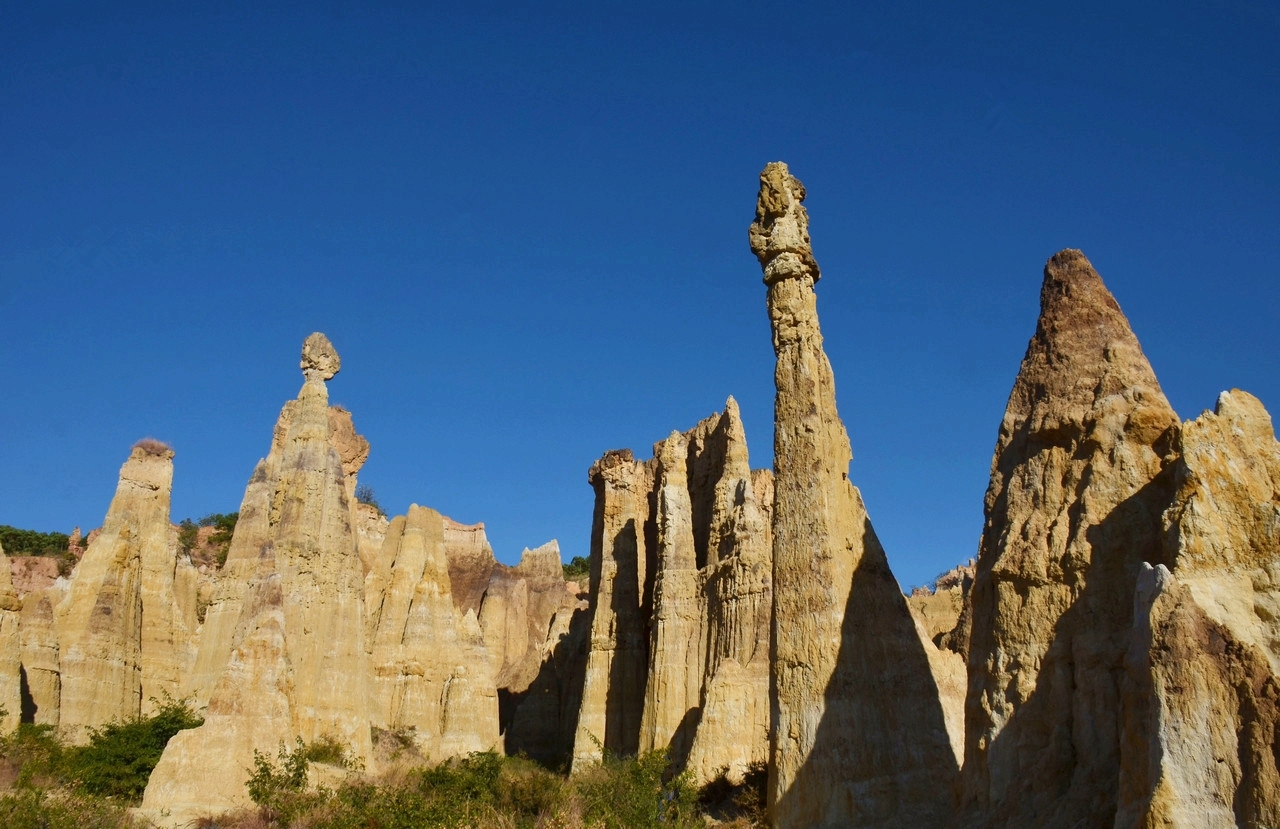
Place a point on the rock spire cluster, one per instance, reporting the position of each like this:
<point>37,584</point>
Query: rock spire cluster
<point>680,603</point>
<point>1110,658</point>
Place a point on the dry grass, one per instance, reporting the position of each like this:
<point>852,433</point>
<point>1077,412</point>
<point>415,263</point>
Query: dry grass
<point>153,447</point>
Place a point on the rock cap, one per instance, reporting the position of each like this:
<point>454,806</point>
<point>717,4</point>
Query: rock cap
<point>780,234</point>
<point>319,357</point>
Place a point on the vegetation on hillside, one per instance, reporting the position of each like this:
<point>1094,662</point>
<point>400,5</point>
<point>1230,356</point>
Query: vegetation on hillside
<point>216,544</point>
<point>578,569</point>
<point>48,785</point>
<point>18,542</point>
<point>366,495</point>
<point>55,786</point>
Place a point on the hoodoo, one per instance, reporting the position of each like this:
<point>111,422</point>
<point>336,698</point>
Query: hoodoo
<point>681,596</point>
<point>858,733</point>
<point>289,660</point>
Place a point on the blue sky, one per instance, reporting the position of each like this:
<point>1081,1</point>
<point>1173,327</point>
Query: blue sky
<point>524,229</point>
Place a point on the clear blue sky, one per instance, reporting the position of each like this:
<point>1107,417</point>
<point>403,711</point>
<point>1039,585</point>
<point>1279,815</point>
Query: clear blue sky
<point>524,229</point>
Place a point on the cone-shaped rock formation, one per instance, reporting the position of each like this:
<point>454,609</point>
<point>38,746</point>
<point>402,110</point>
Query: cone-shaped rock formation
<point>126,623</point>
<point>1078,483</point>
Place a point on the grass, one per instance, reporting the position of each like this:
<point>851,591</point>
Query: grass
<point>53,786</point>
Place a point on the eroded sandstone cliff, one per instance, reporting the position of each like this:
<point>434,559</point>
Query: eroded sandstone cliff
<point>1080,477</point>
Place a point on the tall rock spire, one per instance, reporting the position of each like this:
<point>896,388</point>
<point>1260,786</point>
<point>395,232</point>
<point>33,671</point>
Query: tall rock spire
<point>283,653</point>
<point>128,617</point>
<point>1078,484</point>
<point>859,737</point>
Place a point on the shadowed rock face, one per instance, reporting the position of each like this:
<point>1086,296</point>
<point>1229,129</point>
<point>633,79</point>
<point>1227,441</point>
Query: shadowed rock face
<point>679,652</point>
<point>127,620</point>
<point>1079,480</point>
<point>859,737</point>
<point>617,658</point>
<point>535,627</point>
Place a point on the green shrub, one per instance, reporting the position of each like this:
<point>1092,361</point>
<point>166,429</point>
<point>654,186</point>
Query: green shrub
<point>280,790</point>
<point>578,569</point>
<point>365,495</point>
<point>34,755</point>
<point>188,535</point>
<point>638,792</point>
<point>120,756</point>
<point>37,809</point>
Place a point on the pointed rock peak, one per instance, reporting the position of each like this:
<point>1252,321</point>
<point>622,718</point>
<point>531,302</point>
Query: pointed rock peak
<point>1084,352</point>
<point>541,561</point>
<point>780,234</point>
<point>1073,299</point>
<point>1238,406</point>
<point>319,358</point>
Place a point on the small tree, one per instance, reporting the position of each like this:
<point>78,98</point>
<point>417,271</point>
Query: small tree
<point>365,495</point>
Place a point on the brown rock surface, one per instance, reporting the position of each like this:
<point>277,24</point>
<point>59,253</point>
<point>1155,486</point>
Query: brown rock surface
<point>471,563</point>
<point>1201,745</point>
<point>859,737</point>
<point>1224,525</point>
<point>1078,482</point>
<point>31,574</point>
<point>1201,727</point>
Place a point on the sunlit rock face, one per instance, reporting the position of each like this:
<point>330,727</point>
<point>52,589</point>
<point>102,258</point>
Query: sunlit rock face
<point>432,675</point>
<point>1201,727</point>
<point>10,650</point>
<point>283,653</point>
<point>858,734</point>
<point>126,624</point>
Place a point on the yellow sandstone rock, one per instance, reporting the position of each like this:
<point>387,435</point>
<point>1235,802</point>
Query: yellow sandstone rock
<point>1080,477</point>
<point>859,736</point>
<point>10,650</point>
<point>126,624</point>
